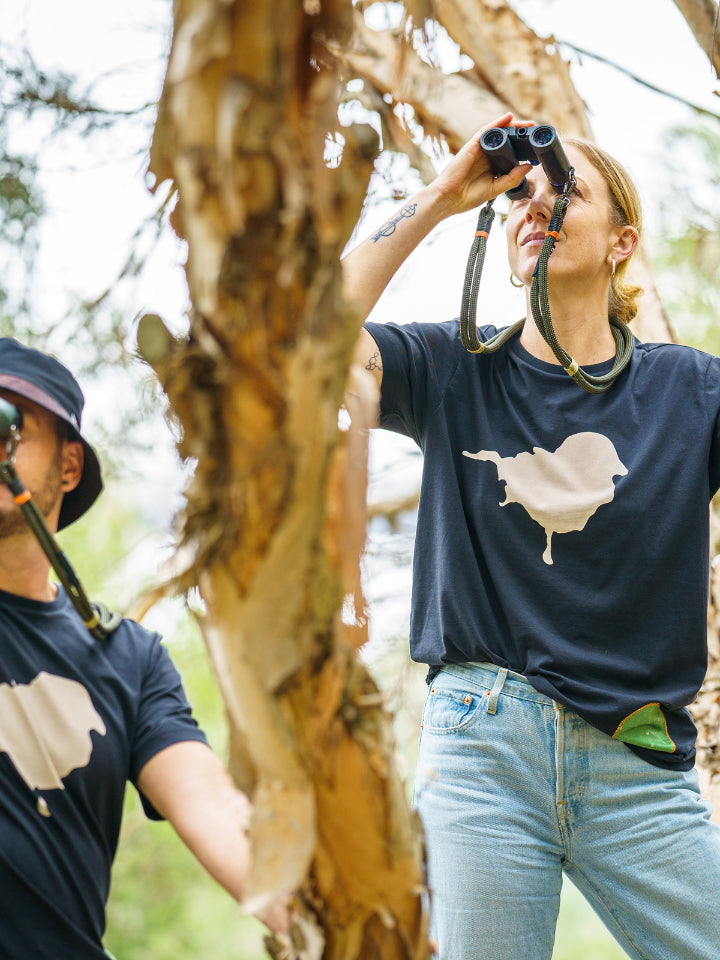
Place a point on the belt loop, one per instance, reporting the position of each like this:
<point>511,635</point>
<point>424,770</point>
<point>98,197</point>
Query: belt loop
<point>496,688</point>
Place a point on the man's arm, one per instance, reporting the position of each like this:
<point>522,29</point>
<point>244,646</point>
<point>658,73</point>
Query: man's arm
<point>188,785</point>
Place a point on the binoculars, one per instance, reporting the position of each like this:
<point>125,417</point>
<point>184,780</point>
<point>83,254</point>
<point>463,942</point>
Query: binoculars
<point>506,147</point>
<point>10,417</point>
<point>10,420</point>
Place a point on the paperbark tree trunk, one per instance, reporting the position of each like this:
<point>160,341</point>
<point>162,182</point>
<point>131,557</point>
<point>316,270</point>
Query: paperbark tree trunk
<point>275,520</point>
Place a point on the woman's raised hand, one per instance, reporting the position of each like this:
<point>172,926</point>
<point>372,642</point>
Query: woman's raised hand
<point>467,181</point>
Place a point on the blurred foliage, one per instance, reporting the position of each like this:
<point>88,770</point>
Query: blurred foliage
<point>580,932</point>
<point>686,249</point>
<point>31,98</point>
<point>94,336</point>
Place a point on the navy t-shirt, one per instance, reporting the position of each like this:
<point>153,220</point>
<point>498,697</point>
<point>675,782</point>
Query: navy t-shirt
<point>561,534</point>
<point>78,718</point>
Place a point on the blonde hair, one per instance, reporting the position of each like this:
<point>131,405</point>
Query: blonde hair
<point>625,209</point>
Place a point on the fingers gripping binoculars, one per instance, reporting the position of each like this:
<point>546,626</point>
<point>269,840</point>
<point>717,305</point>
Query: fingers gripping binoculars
<point>506,147</point>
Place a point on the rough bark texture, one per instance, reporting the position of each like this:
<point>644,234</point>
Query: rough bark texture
<point>274,519</point>
<point>702,18</point>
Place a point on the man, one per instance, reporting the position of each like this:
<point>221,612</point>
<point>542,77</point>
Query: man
<point>81,716</point>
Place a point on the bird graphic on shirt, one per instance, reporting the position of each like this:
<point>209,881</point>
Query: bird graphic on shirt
<point>45,728</point>
<point>559,489</point>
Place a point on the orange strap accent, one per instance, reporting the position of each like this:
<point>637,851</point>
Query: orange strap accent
<point>481,233</point>
<point>552,233</point>
<point>23,497</point>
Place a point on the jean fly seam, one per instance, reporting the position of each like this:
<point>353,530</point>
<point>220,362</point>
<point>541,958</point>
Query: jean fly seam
<point>563,807</point>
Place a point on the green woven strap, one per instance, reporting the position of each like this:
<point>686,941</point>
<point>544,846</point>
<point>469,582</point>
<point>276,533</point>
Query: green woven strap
<point>539,304</point>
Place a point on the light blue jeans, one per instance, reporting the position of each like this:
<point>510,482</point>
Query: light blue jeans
<point>513,788</point>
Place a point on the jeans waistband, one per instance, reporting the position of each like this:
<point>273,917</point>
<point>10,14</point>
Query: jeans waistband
<point>495,680</point>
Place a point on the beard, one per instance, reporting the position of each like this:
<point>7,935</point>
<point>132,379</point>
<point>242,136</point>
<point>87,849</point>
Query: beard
<point>45,497</point>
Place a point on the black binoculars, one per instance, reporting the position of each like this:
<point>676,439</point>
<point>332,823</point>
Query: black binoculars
<point>506,147</point>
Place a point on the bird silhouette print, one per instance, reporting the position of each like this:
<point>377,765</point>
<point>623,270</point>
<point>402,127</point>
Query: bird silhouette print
<point>559,489</point>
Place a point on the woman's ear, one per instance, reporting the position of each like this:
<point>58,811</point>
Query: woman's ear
<point>73,459</point>
<point>625,243</point>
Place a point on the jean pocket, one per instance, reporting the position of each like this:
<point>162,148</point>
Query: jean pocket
<point>448,710</point>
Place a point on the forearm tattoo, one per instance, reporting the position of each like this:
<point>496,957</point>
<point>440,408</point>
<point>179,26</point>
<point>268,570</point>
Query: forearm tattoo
<point>374,362</point>
<point>389,228</point>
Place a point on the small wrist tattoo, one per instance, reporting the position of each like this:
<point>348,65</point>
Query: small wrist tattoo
<point>389,228</point>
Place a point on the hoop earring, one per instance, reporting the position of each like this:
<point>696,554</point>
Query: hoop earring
<point>519,285</point>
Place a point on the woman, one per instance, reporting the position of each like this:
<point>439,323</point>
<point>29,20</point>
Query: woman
<point>560,585</point>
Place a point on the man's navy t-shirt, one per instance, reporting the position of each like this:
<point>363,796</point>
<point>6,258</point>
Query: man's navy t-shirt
<point>78,718</point>
<point>561,534</point>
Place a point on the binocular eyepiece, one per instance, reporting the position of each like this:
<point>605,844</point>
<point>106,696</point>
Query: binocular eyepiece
<point>10,419</point>
<point>506,147</point>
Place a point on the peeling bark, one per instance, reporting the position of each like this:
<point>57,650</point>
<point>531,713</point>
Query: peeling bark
<point>524,71</point>
<point>702,18</point>
<point>274,521</point>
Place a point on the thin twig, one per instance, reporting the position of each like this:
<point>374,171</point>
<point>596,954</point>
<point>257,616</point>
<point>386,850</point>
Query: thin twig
<point>637,79</point>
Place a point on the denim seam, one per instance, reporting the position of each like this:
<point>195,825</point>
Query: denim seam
<point>641,955</point>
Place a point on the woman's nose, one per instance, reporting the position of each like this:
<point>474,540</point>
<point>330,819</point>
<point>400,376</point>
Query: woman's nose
<point>539,204</point>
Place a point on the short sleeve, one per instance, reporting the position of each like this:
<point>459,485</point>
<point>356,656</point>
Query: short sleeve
<point>164,714</point>
<point>418,359</point>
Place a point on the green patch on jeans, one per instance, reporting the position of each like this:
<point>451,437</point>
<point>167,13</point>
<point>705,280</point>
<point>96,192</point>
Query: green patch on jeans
<point>646,727</point>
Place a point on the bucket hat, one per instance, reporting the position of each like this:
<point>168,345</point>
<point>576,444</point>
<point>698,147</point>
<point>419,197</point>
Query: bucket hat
<point>41,378</point>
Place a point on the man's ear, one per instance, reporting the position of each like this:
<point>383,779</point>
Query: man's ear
<point>73,459</point>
